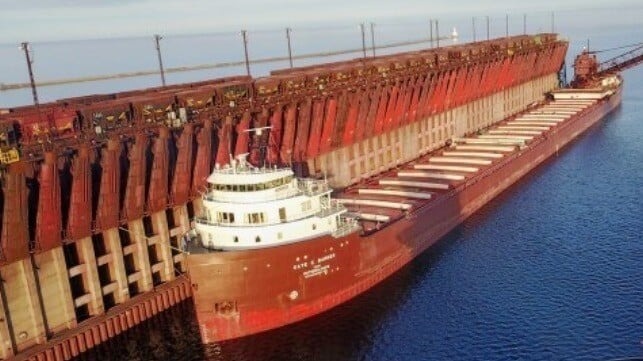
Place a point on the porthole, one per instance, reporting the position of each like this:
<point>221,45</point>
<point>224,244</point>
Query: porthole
<point>314,226</point>
<point>257,239</point>
<point>236,239</point>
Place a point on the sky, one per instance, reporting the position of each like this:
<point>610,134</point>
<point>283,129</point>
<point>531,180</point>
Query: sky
<point>44,20</point>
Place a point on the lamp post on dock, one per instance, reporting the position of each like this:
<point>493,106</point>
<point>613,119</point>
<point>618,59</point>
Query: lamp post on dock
<point>373,38</point>
<point>524,24</point>
<point>244,35</point>
<point>288,30</point>
<point>437,33</point>
<point>507,25</point>
<point>473,26</point>
<point>361,26</point>
<point>25,47</point>
<point>488,32</point>
<point>431,31</point>
<point>157,39</point>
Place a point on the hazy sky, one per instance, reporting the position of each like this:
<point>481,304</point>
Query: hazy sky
<point>37,20</point>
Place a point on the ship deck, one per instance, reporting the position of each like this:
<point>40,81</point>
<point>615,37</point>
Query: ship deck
<point>381,200</point>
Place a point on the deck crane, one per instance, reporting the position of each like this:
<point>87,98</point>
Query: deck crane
<point>587,68</point>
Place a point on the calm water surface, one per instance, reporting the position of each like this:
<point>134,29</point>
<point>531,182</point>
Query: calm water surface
<point>550,270</point>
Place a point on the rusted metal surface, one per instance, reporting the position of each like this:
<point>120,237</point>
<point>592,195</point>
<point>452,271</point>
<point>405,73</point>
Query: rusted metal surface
<point>79,224</point>
<point>49,216</point>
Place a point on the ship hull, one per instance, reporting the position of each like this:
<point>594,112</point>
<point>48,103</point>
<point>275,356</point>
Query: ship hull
<point>242,293</point>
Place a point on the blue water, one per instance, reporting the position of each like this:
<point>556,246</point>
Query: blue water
<point>552,269</point>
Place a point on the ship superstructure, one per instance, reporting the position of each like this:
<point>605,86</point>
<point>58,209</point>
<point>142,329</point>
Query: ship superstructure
<point>247,207</point>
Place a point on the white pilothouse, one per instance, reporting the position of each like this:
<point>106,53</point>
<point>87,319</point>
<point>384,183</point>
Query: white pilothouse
<point>247,207</point>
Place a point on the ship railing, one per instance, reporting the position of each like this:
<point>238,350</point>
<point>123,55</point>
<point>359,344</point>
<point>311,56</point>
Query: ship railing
<point>347,226</point>
<point>311,187</point>
<point>332,208</point>
<point>241,197</point>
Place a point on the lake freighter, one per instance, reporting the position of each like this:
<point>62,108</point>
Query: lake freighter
<point>275,249</point>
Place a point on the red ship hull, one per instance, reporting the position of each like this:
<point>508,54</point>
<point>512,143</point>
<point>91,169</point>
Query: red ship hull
<point>242,293</point>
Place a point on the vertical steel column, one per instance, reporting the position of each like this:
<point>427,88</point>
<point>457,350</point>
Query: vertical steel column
<point>203,163</point>
<point>329,125</point>
<point>290,125</point>
<point>182,172</point>
<point>274,138</point>
<point>134,200</point>
<point>49,217</point>
<point>524,24</point>
<point>354,104</point>
<point>109,191</point>
<point>157,194</point>
<point>25,46</point>
<point>243,137</point>
<point>79,219</point>
<point>316,126</point>
<point>157,39</point>
<point>224,145</point>
<point>488,30</point>
<point>437,33</point>
<point>303,130</point>
<point>14,240</point>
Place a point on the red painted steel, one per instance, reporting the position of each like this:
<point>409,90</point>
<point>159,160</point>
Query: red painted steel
<point>362,114</point>
<point>330,116</point>
<point>316,127</point>
<point>329,125</point>
<point>224,146</point>
<point>428,87</point>
<point>134,201</point>
<point>303,130</point>
<point>243,136</point>
<point>203,161</point>
<point>289,134</point>
<point>380,116</point>
<point>398,110</point>
<point>15,235</point>
<point>391,107</point>
<point>455,87</point>
<point>182,172</point>
<point>109,191</point>
<point>374,96</point>
<point>411,114</point>
<point>258,138</point>
<point>274,138</point>
<point>79,219</point>
<point>340,120</point>
<point>405,109</point>
<point>157,193</point>
<point>48,219</point>
<point>354,102</point>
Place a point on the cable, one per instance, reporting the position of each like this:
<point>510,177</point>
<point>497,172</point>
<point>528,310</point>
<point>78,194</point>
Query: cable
<point>617,48</point>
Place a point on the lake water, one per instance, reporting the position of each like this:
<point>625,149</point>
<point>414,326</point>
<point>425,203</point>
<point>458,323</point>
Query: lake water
<point>552,269</point>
